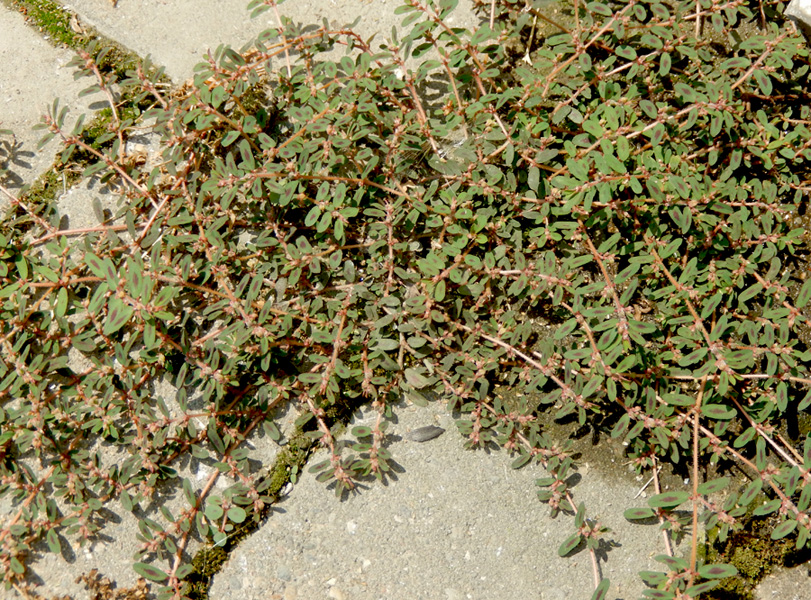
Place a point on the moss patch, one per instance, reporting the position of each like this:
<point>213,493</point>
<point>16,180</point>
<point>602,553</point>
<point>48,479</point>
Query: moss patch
<point>291,460</point>
<point>54,22</point>
<point>752,551</point>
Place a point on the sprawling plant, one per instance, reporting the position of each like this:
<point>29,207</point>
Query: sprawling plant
<point>633,177</point>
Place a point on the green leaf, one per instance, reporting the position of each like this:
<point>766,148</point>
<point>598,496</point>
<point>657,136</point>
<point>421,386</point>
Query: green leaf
<point>653,578</point>
<point>580,516</point>
<point>439,291</point>
<point>570,544</point>
<point>230,138</point>
<point>601,592</point>
<point>118,314</point>
<point>714,486</point>
<point>150,572</point>
<point>678,400</point>
<point>718,411</point>
<point>746,437</point>
<point>385,345</point>
<point>705,586</point>
<point>764,82</point>
<point>96,265</point>
<point>53,541</point>
<point>361,431</point>
<point>658,594</point>
<point>600,9</point>
<point>638,513</point>
<point>126,500</point>
<point>519,462</point>
<point>767,508</point>
<point>805,294</point>
<point>687,93</point>
<point>61,302</point>
<point>668,499</point>
<point>17,566</point>
<point>565,329</point>
<point>785,528</point>
<point>674,563</point>
<point>670,249</point>
<point>665,62</point>
<point>415,378</point>
<point>751,492</point>
<point>717,571</point>
<point>803,536</point>
<point>237,514</point>
<point>213,511</point>
<point>272,430</point>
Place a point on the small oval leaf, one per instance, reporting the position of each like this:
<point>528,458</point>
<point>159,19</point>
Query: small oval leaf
<point>150,572</point>
<point>782,530</point>
<point>711,487</point>
<point>601,592</point>
<point>570,544</point>
<point>668,499</point>
<point>673,562</point>
<point>361,431</point>
<point>638,513</point>
<point>718,411</point>
<point>237,514</point>
<point>767,508</point>
<point>706,586</point>
<point>718,571</point>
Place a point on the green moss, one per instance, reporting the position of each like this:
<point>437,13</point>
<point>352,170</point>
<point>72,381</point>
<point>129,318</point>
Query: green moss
<point>54,22</point>
<point>44,191</point>
<point>42,194</point>
<point>752,551</point>
<point>208,561</point>
<point>291,459</point>
<point>50,19</point>
<point>749,563</point>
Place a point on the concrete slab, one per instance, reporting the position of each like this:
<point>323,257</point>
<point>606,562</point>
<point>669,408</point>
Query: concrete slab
<point>451,523</point>
<point>786,584</point>
<point>32,74</point>
<point>178,34</point>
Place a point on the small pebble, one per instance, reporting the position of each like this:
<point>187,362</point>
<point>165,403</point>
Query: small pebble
<point>336,593</point>
<point>290,592</point>
<point>424,434</point>
<point>283,573</point>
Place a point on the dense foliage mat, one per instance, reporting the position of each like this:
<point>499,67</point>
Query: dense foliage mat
<point>606,213</point>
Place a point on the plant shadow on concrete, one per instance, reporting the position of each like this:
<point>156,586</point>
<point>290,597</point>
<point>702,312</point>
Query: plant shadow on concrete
<point>607,214</point>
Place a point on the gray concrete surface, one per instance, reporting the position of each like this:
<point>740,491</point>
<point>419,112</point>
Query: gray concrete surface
<point>786,584</point>
<point>450,524</point>
<point>32,75</point>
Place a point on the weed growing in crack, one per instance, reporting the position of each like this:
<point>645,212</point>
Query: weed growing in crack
<point>634,179</point>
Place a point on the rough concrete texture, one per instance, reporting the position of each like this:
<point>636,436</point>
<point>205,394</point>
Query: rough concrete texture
<point>32,74</point>
<point>177,34</point>
<point>449,524</point>
<point>786,584</point>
